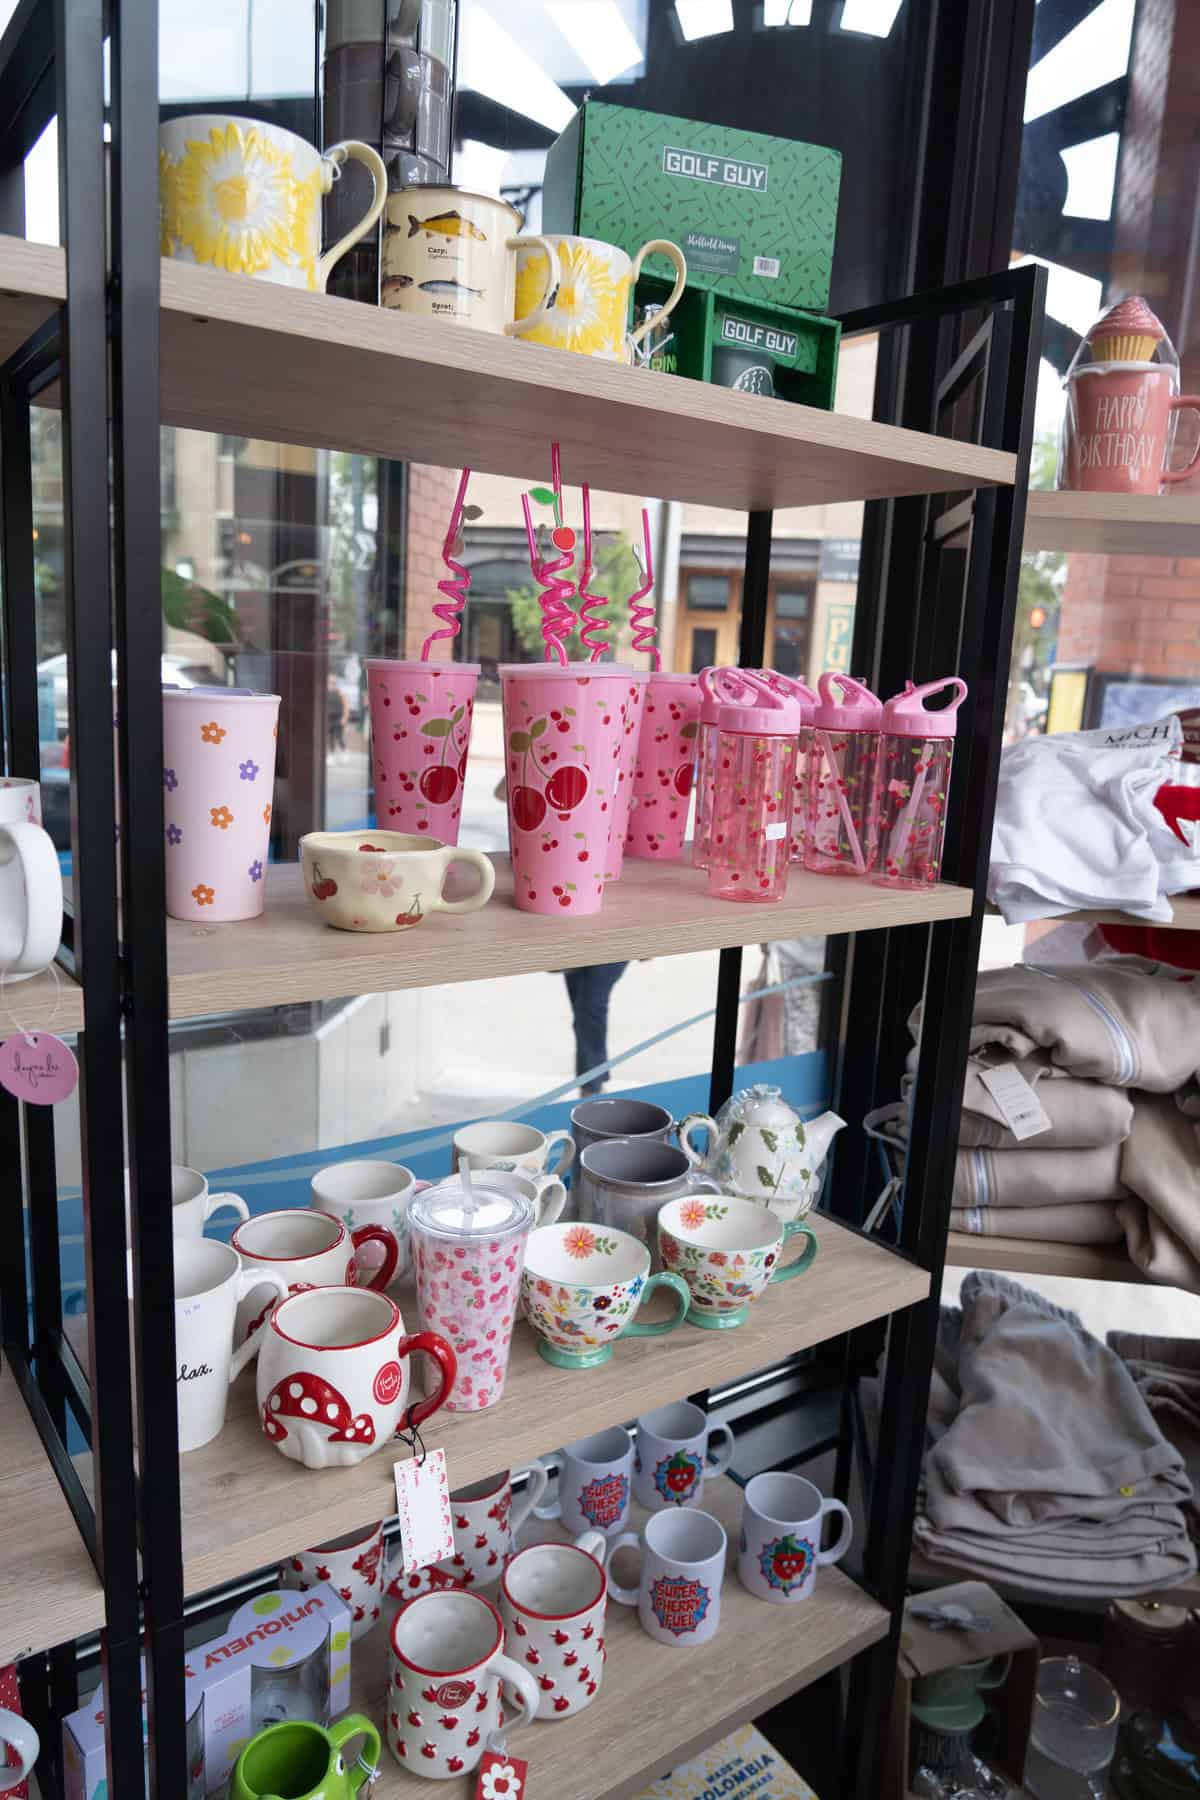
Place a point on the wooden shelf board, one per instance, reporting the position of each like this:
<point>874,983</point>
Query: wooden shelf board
<point>658,1706</point>
<point>1029,1256</point>
<point>1114,524</point>
<point>245,1505</point>
<point>1185,916</point>
<point>256,359</point>
<point>49,1589</point>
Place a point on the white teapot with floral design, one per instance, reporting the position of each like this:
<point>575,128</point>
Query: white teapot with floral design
<point>760,1148</point>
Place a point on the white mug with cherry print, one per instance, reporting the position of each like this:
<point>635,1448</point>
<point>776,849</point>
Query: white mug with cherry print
<point>486,1519</point>
<point>310,1250</point>
<point>552,1601</point>
<point>334,1377</point>
<point>445,1669</point>
<point>353,1565</point>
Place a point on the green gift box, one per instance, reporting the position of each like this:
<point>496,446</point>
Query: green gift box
<point>800,349</point>
<point>754,215</point>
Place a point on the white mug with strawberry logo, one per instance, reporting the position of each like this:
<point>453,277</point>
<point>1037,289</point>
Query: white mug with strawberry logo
<point>779,1551</point>
<point>485,1519</point>
<point>552,1601</point>
<point>671,1456</point>
<point>594,1482</point>
<point>683,1565</point>
<point>420,735</point>
<point>385,880</point>
<point>353,1565</point>
<point>310,1250</point>
<point>445,1670</point>
<point>333,1375</point>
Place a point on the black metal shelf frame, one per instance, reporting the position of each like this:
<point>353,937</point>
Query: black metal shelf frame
<point>937,594</point>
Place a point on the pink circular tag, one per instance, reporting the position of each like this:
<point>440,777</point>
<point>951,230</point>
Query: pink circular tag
<point>38,1067</point>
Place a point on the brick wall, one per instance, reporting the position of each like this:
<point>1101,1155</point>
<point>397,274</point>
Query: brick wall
<point>1139,614</point>
<point>431,494</point>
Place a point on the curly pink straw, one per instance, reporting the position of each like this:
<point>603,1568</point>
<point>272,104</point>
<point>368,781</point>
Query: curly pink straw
<point>454,585</point>
<point>641,618</point>
<point>594,635</point>
<point>558,616</point>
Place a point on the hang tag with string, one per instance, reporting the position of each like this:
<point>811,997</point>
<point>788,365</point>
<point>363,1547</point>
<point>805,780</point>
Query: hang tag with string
<point>501,1776</point>
<point>423,1503</point>
<point>36,1066</point>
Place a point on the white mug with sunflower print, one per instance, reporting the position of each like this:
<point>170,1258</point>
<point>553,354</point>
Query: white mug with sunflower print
<point>588,293</point>
<point>245,196</point>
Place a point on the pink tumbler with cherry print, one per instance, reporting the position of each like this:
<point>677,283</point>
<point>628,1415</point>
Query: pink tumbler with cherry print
<point>842,761</point>
<point>662,783</point>
<point>468,1246</point>
<point>908,819</point>
<point>631,724</point>
<point>420,735</point>
<point>753,796</point>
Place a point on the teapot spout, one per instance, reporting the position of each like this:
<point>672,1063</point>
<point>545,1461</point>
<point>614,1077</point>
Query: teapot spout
<point>819,1134</point>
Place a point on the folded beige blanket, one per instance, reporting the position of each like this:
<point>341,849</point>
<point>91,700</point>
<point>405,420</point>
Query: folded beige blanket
<point>1031,1177</point>
<point>1161,1168</point>
<point>1091,1222</point>
<point>1082,1114</point>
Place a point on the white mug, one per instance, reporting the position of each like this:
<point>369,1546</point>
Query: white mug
<point>545,1193</point>
<point>353,1565</point>
<point>671,1452</point>
<point>552,1600</point>
<point>30,883</point>
<point>594,1482</point>
<point>17,1734</point>
<point>209,1282</point>
<point>683,1564</point>
<point>507,1144</point>
<point>780,1547</point>
<point>310,1250</point>
<point>485,1520</point>
<point>192,1205</point>
<point>446,1665</point>
<point>369,1193</point>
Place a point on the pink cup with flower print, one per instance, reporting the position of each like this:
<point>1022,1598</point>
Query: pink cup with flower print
<point>468,1246</point>
<point>218,790</point>
<point>662,782</point>
<point>632,707</point>
<point>563,733</point>
<point>420,735</point>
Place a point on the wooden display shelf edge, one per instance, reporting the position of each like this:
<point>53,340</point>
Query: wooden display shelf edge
<point>1185,916</point>
<point>1114,524</point>
<point>658,1706</point>
<point>380,381</point>
<point>1030,1256</point>
<point>246,1506</point>
<point>49,1589</point>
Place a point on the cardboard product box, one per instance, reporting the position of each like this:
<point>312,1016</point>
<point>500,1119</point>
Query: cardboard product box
<point>801,348</point>
<point>232,1680</point>
<point>743,1763</point>
<point>924,1651</point>
<point>754,215</point>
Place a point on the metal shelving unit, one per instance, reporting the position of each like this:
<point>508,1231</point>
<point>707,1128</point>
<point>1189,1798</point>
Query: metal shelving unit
<point>939,591</point>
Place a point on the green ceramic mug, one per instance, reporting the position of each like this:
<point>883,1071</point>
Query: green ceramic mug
<point>302,1761</point>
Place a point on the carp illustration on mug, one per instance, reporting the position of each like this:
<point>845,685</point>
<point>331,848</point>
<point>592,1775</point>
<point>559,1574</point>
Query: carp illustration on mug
<point>449,254</point>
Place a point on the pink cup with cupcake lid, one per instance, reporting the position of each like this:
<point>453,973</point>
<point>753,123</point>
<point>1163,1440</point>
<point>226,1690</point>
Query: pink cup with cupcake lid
<point>663,776</point>
<point>420,737</point>
<point>468,1246</point>
<point>1123,403</point>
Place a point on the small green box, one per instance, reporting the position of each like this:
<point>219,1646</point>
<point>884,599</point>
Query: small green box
<point>800,347</point>
<point>754,215</point>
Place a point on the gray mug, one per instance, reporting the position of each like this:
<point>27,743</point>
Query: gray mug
<point>623,1183</point>
<point>601,1121</point>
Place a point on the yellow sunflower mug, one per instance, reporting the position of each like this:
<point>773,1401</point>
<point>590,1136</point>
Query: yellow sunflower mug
<point>587,296</point>
<point>245,196</point>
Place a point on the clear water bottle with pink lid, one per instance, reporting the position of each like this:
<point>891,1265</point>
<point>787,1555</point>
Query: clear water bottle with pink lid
<point>799,691</point>
<point>753,795</point>
<point>842,761</point>
<point>908,819</point>
<point>717,687</point>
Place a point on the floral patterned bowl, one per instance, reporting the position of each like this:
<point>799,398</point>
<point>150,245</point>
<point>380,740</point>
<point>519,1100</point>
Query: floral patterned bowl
<point>385,880</point>
<point>727,1251</point>
<point>582,1288</point>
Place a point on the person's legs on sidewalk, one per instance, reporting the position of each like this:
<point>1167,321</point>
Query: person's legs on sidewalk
<point>589,990</point>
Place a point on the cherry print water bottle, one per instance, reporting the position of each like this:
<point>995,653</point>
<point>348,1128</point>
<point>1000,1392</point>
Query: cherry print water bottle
<point>908,819</point>
<point>753,796</point>
<point>468,1246</point>
<point>800,692</point>
<point>717,687</point>
<point>842,761</point>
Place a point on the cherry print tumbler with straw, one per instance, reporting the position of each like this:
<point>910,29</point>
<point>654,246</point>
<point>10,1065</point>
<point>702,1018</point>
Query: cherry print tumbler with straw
<point>908,819</point>
<point>662,781</point>
<point>753,796</point>
<point>563,731</point>
<point>420,733</point>
<point>468,1245</point>
<point>841,777</point>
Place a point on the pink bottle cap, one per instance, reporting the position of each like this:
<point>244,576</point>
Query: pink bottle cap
<point>905,714</point>
<point>796,690</point>
<point>857,710</point>
<point>758,711</point>
<point>716,686</point>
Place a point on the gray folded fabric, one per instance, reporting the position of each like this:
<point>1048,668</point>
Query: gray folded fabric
<point>1029,1177</point>
<point>1167,1372</point>
<point>1087,1222</point>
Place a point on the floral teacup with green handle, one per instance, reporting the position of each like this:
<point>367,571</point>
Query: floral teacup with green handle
<point>582,1289</point>
<point>727,1251</point>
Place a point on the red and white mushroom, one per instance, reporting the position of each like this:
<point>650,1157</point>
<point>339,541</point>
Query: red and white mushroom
<point>310,1397</point>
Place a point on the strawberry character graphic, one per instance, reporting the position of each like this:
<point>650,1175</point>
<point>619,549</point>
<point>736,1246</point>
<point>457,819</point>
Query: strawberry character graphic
<point>785,1562</point>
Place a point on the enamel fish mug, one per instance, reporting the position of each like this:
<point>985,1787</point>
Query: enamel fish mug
<point>449,254</point>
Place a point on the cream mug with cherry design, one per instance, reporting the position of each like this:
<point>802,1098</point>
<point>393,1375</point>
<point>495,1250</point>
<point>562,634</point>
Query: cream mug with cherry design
<point>334,1376</point>
<point>446,1667</point>
<point>310,1250</point>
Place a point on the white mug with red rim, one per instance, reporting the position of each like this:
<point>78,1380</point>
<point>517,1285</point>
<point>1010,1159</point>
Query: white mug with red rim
<point>486,1520</point>
<point>552,1601</point>
<point>446,1665</point>
<point>334,1375</point>
<point>353,1565</point>
<point>309,1249</point>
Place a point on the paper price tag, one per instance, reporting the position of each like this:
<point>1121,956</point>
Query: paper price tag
<point>1019,1105</point>
<point>423,1503</point>
<point>501,1777</point>
<point>774,832</point>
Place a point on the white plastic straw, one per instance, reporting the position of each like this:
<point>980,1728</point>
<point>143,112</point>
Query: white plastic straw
<point>860,864</point>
